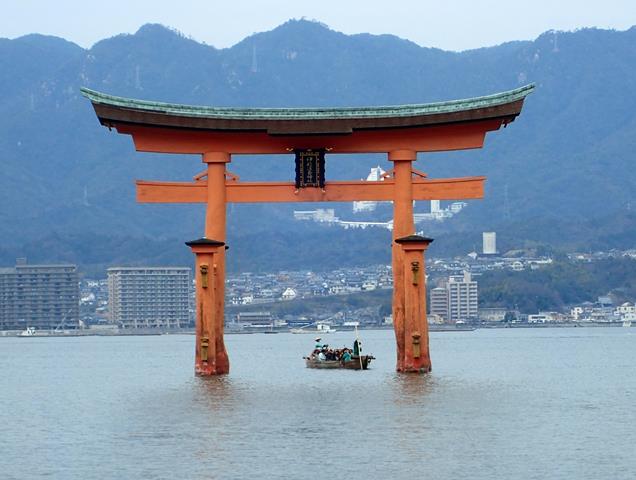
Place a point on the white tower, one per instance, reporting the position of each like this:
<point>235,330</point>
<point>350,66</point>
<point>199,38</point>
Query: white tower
<point>490,243</point>
<point>435,208</point>
<point>374,176</point>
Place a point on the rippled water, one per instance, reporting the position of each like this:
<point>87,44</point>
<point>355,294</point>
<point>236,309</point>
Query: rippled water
<point>521,404</point>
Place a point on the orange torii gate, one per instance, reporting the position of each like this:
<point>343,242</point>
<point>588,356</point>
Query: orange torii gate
<point>399,131</point>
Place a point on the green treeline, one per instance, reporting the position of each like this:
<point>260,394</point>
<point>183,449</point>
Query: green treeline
<point>559,285</point>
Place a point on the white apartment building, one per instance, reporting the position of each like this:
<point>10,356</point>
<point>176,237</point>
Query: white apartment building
<point>438,302</point>
<point>150,296</point>
<point>462,298</point>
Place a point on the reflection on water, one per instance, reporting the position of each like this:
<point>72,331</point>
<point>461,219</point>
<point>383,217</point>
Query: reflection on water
<point>412,389</point>
<point>215,393</point>
<point>499,404</point>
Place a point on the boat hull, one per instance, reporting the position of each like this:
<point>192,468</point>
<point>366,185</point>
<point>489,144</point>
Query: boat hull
<point>356,363</point>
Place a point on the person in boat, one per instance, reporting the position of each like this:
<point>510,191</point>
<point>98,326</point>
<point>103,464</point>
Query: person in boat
<point>318,344</point>
<point>346,355</point>
<point>357,346</point>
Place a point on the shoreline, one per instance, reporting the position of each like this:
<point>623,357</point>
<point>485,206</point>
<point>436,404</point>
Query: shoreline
<point>190,331</point>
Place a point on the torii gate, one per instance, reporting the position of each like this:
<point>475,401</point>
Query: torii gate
<point>399,131</point>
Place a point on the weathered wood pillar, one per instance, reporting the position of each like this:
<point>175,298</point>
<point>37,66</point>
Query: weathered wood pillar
<point>403,226</point>
<point>416,351</point>
<point>207,358</point>
<point>215,227</point>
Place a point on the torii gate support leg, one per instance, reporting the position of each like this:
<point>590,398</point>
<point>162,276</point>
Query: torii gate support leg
<point>215,221</point>
<point>416,351</point>
<point>409,288</point>
<point>403,226</point>
<point>206,266</point>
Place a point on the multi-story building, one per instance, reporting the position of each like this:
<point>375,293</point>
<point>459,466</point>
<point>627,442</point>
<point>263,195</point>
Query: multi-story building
<point>462,298</point>
<point>39,296</point>
<point>439,302</point>
<point>375,175</point>
<point>489,243</point>
<point>150,296</point>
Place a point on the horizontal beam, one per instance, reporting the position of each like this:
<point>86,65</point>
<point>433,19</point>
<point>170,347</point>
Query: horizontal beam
<point>276,192</point>
<point>423,139</point>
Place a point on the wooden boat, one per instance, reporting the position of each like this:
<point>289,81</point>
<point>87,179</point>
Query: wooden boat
<point>356,363</point>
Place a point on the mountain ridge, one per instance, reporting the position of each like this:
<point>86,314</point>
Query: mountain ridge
<point>569,155</point>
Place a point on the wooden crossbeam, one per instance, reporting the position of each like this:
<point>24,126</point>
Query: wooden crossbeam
<point>342,191</point>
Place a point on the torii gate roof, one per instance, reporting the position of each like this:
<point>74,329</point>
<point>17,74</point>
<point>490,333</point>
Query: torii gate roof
<point>118,111</point>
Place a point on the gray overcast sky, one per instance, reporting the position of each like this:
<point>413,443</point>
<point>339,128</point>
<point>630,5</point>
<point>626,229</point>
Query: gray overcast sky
<point>449,24</point>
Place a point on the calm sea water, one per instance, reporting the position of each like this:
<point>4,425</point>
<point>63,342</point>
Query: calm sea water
<point>514,404</point>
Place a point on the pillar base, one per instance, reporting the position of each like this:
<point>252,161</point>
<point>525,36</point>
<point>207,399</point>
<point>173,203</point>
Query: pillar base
<point>413,343</point>
<point>415,370</point>
<point>210,356</point>
<point>208,370</point>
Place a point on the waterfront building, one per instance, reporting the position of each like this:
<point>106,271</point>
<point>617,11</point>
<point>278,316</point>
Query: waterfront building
<point>625,310</point>
<point>439,302</point>
<point>462,298</point>
<point>39,296</point>
<point>456,300</point>
<point>150,296</point>
<point>255,319</point>
<point>491,315</point>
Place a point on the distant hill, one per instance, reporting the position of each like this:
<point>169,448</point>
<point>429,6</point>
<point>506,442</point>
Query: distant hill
<point>561,175</point>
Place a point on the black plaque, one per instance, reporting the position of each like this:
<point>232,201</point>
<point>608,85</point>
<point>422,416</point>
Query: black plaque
<point>310,168</point>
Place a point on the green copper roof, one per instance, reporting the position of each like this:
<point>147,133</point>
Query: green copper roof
<point>228,113</point>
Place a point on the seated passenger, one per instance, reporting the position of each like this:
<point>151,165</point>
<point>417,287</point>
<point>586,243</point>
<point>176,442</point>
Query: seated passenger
<point>346,356</point>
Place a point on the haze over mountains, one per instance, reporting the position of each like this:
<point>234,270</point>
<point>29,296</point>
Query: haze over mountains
<point>562,175</point>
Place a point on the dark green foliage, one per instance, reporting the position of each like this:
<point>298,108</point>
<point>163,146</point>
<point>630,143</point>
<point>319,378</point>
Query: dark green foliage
<point>558,285</point>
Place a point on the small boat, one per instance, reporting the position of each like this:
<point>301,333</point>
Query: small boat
<point>29,332</point>
<point>320,328</point>
<point>356,363</point>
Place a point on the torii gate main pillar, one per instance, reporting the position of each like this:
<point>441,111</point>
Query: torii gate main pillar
<point>210,354</point>
<point>403,226</point>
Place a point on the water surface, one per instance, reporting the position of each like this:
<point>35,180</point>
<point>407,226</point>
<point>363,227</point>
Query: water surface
<point>522,404</point>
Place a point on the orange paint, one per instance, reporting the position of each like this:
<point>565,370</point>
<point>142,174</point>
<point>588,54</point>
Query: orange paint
<point>416,356</point>
<point>210,356</point>
<point>347,191</point>
<point>403,225</point>
<point>421,139</point>
<point>215,221</point>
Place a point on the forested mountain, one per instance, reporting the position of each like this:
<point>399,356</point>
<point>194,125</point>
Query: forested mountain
<point>562,175</point>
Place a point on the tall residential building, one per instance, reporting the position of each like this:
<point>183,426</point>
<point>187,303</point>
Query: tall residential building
<point>489,243</point>
<point>462,298</point>
<point>438,303</point>
<point>150,296</point>
<point>39,296</point>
